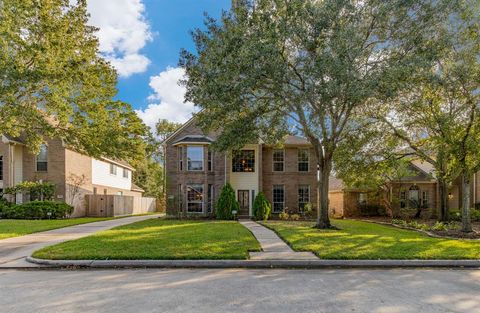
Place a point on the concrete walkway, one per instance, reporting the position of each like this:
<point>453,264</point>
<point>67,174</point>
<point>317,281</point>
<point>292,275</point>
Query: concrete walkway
<point>273,247</point>
<point>13,251</point>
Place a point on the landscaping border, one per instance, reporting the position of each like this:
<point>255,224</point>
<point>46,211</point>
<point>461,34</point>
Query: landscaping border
<point>259,264</point>
<point>428,233</point>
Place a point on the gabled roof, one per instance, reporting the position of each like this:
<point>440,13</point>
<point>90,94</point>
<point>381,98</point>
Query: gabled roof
<point>119,162</point>
<point>335,184</point>
<point>190,121</point>
<point>8,138</point>
<point>136,188</point>
<point>296,140</point>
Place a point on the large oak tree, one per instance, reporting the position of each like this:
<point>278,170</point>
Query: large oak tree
<point>54,82</point>
<point>272,66</point>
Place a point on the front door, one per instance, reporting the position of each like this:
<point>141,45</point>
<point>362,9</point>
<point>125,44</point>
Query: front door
<point>244,201</point>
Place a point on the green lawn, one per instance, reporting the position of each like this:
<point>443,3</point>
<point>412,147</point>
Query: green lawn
<point>14,228</point>
<point>160,239</point>
<point>362,240</point>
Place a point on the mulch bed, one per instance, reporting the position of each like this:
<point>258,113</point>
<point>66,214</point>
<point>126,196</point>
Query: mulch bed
<point>430,222</point>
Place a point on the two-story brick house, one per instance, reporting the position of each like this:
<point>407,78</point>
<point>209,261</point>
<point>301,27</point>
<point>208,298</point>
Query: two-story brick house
<point>74,174</point>
<point>196,173</point>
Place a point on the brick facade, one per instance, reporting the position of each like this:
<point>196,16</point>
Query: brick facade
<point>266,177</point>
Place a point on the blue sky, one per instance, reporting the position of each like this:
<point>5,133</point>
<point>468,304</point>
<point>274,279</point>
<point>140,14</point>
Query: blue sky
<point>142,39</point>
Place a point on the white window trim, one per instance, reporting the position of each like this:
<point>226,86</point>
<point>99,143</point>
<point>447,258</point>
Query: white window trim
<point>202,202</point>
<point>273,161</point>
<point>308,161</point>
<point>111,165</point>
<point>309,194</point>
<point>36,160</point>
<point>203,159</point>
<point>273,198</point>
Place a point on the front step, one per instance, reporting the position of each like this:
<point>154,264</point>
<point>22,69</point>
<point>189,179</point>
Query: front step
<point>244,217</point>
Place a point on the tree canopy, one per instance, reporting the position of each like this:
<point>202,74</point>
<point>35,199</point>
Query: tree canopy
<point>269,67</point>
<point>54,82</point>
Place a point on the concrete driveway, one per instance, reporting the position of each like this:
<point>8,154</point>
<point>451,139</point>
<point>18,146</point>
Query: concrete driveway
<point>240,290</point>
<point>13,251</point>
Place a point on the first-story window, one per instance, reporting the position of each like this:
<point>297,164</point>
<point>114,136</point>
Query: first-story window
<point>195,158</point>
<point>425,199</point>
<point>1,167</point>
<point>278,160</point>
<point>179,197</point>
<point>303,196</point>
<point>195,198</point>
<point>210,197</point>
<point>403,198</point>
<point>42,159</point>
<point>303,160</point>
<point>278,198</point>
<point>362,198</point>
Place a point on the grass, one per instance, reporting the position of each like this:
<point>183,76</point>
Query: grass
<point>160,239</point>
<point>15,228</point>
<point>362,240</point>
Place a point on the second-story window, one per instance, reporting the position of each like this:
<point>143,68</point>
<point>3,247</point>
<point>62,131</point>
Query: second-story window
<point>125,173</point>
<point>1,167</point>
<point>278,160</point>
<point>42,159</point>
<point>113,169</point>
<point>195,158</point>
<point>210,160</point>
<point>243,161</point>
<point>303,159</point>
<point>180,158</point>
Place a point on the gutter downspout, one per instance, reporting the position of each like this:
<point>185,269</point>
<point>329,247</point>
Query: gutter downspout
<point>474,189</point>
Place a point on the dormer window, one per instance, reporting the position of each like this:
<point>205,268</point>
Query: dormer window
<point>42,159</point>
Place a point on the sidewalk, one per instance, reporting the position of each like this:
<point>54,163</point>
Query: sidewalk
<point>13,251</point>
<point>274,248</point>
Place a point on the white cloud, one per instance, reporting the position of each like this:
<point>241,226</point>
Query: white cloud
<point>167,99</point>
<point>123,32</point>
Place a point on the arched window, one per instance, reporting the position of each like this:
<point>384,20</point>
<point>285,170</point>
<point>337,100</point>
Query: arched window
<point>414,193</point>
<point>42,159</point>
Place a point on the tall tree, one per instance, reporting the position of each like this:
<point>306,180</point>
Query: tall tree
<point>54,83</point>
<point>271,65</point>
<point>437,116</point>
<point>165,128</point>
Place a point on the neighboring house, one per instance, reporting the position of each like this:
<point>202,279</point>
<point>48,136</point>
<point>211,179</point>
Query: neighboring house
<point>196,174</point>
<point>417,189</point>
<point>74,174</point>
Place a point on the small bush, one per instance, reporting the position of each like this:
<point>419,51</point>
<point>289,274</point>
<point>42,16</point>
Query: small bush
<point>454,215</point>
<point>284,216</point>
<point>38,210</point>
<point>372,210</point>
<point>226,203</point>
<point>261,207</point>
<point>439,226</point>
<point>294,217</point>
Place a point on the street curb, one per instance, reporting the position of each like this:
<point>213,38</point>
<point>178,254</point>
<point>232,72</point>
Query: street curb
<point>303,264</point>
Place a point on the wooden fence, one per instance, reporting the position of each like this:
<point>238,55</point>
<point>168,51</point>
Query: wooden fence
<point>113,205</point>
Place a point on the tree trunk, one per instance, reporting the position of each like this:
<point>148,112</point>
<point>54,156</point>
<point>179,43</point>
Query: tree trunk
<point>466,220</point>
<point>443,195</point>
<point>323,176</point>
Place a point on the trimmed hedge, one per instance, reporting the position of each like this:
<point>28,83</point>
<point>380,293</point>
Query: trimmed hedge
<point>456,215</point>
<point>37,210</point>
<point>261,207</point>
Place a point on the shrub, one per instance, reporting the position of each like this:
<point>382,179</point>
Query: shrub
<point>226,203</point>
<point>294,217</point>
<point>261,207</point>
<point>372,210</point>
<point>284,216</point>
<point>454,215</point>
<point>439,226</point>
<point>4,205</point>
<point>38,210</point>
